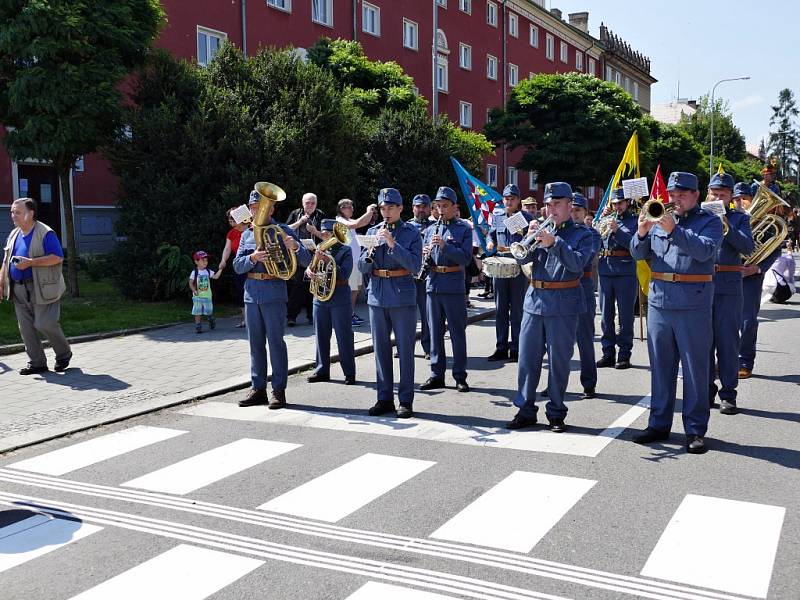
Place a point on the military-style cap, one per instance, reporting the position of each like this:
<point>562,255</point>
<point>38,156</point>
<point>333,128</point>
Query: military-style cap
<point>421,200</point>
<point>557,189</point>
<point>530,200</point>
<point>511,190</point>
<point>580,201</point>
<point>721,180</point>
<point>680,180</point>
<point>327,224</point>
<point>254,198</point>
<point>618,195</point>
<point>446,193</point>
<point>390,196</point>
<point>741,189</point>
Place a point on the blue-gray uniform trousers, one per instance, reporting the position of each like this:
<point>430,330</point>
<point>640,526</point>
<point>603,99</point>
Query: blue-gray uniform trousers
<point>402,320</point>
<point>336,317</point>
<point>585,336</point>
<point>267,321</point>
<point>509,297</point>
<point>422,306</point>
<point>619,290</point>
<point>727,317</point>
<point>751,305</point>
<point>452,308</point>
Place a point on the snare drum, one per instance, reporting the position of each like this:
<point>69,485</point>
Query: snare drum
<point>501,267</point>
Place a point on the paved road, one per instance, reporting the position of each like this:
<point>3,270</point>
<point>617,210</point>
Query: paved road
<point>321,501</point>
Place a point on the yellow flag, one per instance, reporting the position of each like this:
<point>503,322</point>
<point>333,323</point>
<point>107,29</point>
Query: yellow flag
<point>629,165</point>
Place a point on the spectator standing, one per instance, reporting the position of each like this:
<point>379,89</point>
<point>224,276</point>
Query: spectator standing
<point>306,222</point>
<point>232,239</point>
<point>344,214</point>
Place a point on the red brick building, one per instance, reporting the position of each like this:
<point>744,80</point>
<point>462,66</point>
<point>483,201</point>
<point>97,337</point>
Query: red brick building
<point>483,48</point>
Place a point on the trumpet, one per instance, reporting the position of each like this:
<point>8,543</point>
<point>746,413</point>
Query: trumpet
<point>520,250</point>
<point>280,262</point>
<point>427,259</point>
<point>323,270</point>
<point>368,258</point>
<point>655,208</point>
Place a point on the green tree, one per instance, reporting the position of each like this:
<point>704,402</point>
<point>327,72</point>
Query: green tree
<point>729,142</point>
<point>61,65</point>
<point>573,127</point>
<point>783,142</point>
<point>670,146</point>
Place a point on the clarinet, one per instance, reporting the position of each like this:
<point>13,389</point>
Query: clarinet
<point>427,260</point>
<point>368,258</point>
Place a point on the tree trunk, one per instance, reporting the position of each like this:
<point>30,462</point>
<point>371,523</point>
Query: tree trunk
<point>72,250</point>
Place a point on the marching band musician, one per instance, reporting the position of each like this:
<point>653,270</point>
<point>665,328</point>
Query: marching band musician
<point>391,298</point>
<point>450,249</point>
<point>768,174</point>
<point>618,285</point>
<point>679,321</point>
<point>265,300</point>
<point>509,293</point>
<point>727,308</point>
<point>421,205</point>
<point>335,315</point>
<point>552,305</point>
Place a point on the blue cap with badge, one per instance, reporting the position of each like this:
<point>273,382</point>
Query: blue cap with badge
<point>681,180</point>
<point>580,201</point>
<point>741,189</point>
<point>327,224</point>
<point>511,190</point>
<point>446,193</point>
<point>556,190</point>
<point>254,198</point>
<point>421,200</point>
<point>390,196</point>
<point>721,180</point>
<point>618,195</point>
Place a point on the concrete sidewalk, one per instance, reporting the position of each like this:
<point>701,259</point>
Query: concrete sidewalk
<point>115,378</point>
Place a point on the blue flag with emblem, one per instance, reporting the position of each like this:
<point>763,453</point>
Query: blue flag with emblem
<point>481,200</point>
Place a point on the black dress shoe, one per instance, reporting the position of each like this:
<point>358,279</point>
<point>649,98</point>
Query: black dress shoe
<point>62,365</point>
<point>726,407</point>
<point>404,412</point>
<point>712,394</point>
<point>381,408</point>
<point>696,445</point>
<point>29,370</point>
<point>513,356</point>
<point>648,436</point>
<point>519,422</point>
<point>588,393</point>
<point>277,399</point>
<point>462,385</point>
<point>316,378</point>
<point>558,426</point>
<point>254,398</point>
<point>349,380</point>
<point>498,355</point>
<point>432,384</point>
<point>623,364</point>
<point>606,361</point>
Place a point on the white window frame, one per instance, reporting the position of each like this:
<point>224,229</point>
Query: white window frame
<point>367,7</point>
<point>513,74</point>
<point>412,26</point>
<point>442,3</point>
<point>564,52</point>
<point>592,67</point>
<point>513,24</point>
<point>221,36</point>
<point>465,56</point>
<point>465,114</point>
<point>533,36</point>
<point>491,66</point>
<point>441,68</point>
<point>465,6</point>
<point>491,175</point>
<point>579,60</point>
<point>550,47</point>
<point>609,74</point>
<point>512,176</point>
<point>491,13</point>
<point>328,11</point>
<point>636,91</point>
<point>284,5</point>
<point>618,78</point>
<point>532,180</point>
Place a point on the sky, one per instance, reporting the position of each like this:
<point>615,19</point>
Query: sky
<point>697,43</point>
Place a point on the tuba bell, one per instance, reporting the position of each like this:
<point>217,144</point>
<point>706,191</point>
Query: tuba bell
<point>280,262</point>
<point>769,230</point>
<point>323,270</point>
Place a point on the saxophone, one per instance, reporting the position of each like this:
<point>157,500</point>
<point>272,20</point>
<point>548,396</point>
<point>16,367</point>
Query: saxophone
<point>323,270</point>
<point>280,262</point>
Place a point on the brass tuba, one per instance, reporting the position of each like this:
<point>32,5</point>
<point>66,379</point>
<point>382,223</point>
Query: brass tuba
<point>604,225</point>
<point>280,262</point>
<point>323,270</point>
<point>769,230</point>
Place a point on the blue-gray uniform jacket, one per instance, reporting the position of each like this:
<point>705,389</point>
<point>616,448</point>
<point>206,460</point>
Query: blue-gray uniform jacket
<point>502,237</point>
<point>619,266</point>
<point>343,257</point>
<point>772,186</point>
<point>457,251</point>
<point>270,290</point>
<point>597,243</point>
<point>421,225</point>
<point>737,242</point>
<point>690,249</point>
<point>390,292</point>
<point>563,261</point>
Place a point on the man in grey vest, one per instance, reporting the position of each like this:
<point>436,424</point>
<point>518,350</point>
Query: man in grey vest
<point>31,278</point>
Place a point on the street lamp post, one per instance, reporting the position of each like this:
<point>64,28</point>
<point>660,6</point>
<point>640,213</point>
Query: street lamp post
<point>713,108</point>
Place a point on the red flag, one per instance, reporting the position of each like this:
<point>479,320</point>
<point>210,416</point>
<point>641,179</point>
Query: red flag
<point>659,188</point>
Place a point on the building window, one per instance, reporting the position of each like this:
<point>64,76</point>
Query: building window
<point>513,74</point>
<point>491,13</point>
<point>322,12</point>
<point>488,114</point>
<point>441,74</point>
<point>533,36</point>
<point>465,112</point>
<point>465,56</point>
<point>513,25</point>
<point>491,175</point>
<point>532,176</point>
<point>618,78</point>
<point>410,34</point>
<point>550,47</point>
<point>635,91</point>
<point>491,67</point>
<point>370,19</point>
<point>465,6</point>
<point>564,52</point>
<point>208,43</point>
<point>512,176</point>
<point>281,4</point>
<point>609,74</point>
<point>442,3</point>
<point>592,67</point>
<point>579,61</point>
<point>415,90</point>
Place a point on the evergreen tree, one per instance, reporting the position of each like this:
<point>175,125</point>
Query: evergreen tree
<point>783,142</point>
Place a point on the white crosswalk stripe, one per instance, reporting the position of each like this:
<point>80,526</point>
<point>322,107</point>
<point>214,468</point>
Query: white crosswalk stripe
<point>339,492</point>
<point>374,590</point>
<point>182,573</point>
<point>211,466</point>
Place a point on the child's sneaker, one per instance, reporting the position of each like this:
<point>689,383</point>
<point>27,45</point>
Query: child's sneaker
<point>212,322</point>
<point>198,328</point>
